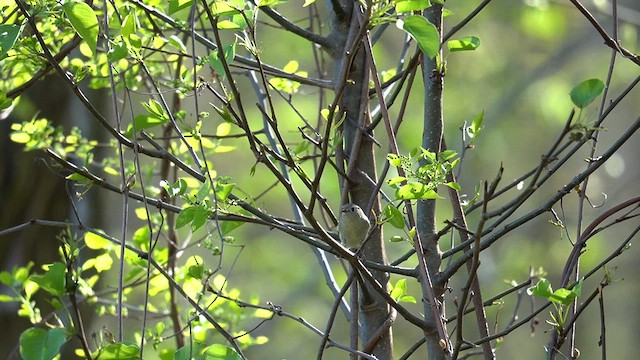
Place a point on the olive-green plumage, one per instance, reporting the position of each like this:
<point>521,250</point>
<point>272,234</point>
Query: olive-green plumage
<point>353,225</point>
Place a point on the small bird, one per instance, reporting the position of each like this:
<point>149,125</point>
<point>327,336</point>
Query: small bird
<point>353,225</point>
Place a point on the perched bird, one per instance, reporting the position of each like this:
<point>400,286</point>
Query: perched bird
<point>353,225</point>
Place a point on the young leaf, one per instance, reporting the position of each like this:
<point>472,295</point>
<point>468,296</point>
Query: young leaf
<point>411,5</point>
<point>476,126</point>
<point>394,160</point>
<point>394,216</point>
<point>119,351</point>
<point>416,190</point>
<point>96,242</point>
<point>186,216</point>
<point>468,43</point>
<point>424,32</point>
<point>177,5</point>
<point>584,93</point>
<point>200,217</point>
<point>84,22</point>
<point>542,289</point>
<point>53,280</point>
<point>223,191</point>
<point>144,122</point>
<point>221,352</point>
<point>215,62</point>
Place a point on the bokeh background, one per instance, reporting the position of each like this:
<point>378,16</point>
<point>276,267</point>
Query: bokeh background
<point>532,53</point>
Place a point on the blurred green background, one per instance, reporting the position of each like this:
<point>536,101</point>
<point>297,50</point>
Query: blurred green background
<point>532,54</point>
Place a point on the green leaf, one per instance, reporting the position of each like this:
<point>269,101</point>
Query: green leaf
<point>565,296</point>
<point>196,271</point>
<point>145,122</point>
<point>447,155</point>
<point>468,43</point>
<point>117,351</point>
<point>141,237</point>
<point>78,177</point>
<point>185,217</point>
<point>223,191</point>
<point>267,2</point>
<point>155,108</point>
<point>177,43</point>
<point>96,242</point>
<point>453,185</point>
<point>6,278</point>
<point>223,129</point>
<point>541,289</point>
<point>203,192</point>
<point>177,188</point>
<point>424,32</point>
<point>476,126</point>
<point>40,344</point>
<point>225,8</point>
<point>130,24</point>
<point>53,280</point>
<point>220,352</point>
<point>394,160</point>
<point>415,191</point>
<point>562,296</point>
<point>8,298</point>
<point>177,5</point>
<point>411,5</point>
<point>103,262</point>
<point>407,298</point>
<point>394,216</point>
<point>200,218</point>
<point>215,62</point>
<point>399,290</point>
<point>84,22</point>
<point>118,51</point>
<point>584,93</point>
<point>396,180</point>
<point>8,36</point>
<point>188,351</point>
<point>194,215</point>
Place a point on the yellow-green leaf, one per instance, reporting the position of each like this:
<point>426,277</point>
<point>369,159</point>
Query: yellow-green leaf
<point>84,21</point>
<point>96,242</point>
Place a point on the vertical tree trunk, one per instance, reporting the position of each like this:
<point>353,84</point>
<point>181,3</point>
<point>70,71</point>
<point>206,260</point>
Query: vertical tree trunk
<point>426,209</point>
<point>373,311</point>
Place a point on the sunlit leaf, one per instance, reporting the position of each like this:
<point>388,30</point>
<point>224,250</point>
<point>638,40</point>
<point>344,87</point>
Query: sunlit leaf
<point>118,351</point>
<point>424,32</point>
<point>177,5</point>
<point>468,43</point>
<point>223,129</point>
<point>96,242</point>
<point>411,5</point>
<point>84,21</point>
<point>221,352</point>
<point>416,190</point>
